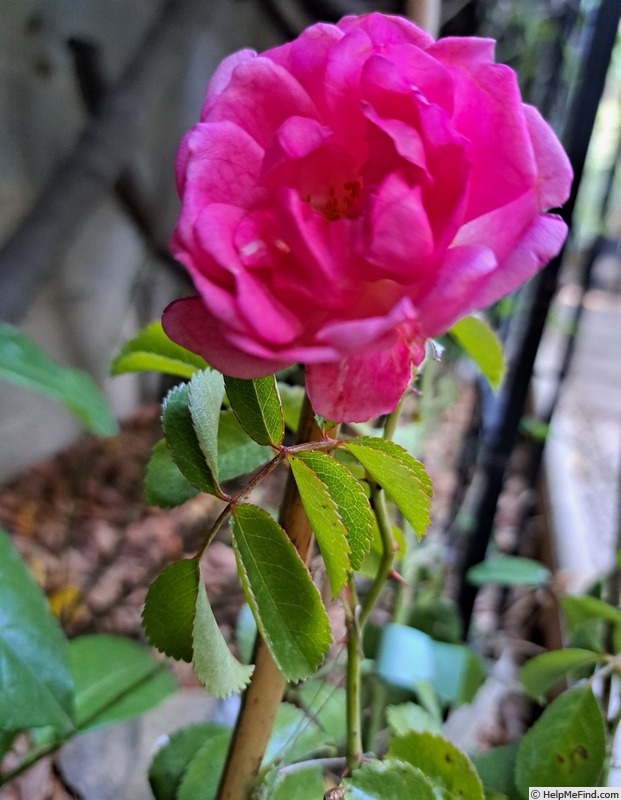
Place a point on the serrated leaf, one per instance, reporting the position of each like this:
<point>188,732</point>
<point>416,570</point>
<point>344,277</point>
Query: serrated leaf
<point>566,746</point>
<point>214,664</point>
<point>407,717</point>
<point>205,393</point>
<point>24,363</point>
<point>509,571</point>
<point>402,477</point>
<point>388,780</point>
<point>183,443</point>
<point>480,342</point>
<point>202,776</point>
<point>169,764</point>
<point>291,399</point>
<point>542,672</point>
<point>284,600</point>
<point>326,522</point>
<point>36,687</point>
<point>165,485</point>
<point>152,350</point>
<point>305,783</point>
<point>351,502</point>
<point>238,454</point>
<point>447,768</point>
<point>256,404</point>
<point>170,608</point>
<point>115,679</point>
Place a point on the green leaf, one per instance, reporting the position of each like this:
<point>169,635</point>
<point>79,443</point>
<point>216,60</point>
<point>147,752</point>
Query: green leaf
<point>482,345</point>
<point>170,762</point>
<point>305,783</point>
<point>291,399</point>
<point>115,679</point>
<point>295,736</point>
<point>284,600</point>
<point>6,742</point>
<point>325,703</point>
<point>151,349</point>
<point>509,571</point>
<point>170,609</point>
<point>36,687</point>
<point>447,768</point>
<point>214,664</point>
<point>205,393</point>
<point>407,717</point>
<point>256,404</point>
<point>566,746</point>
<point>351,502</point>
<point>238,454</point>
<point>165,485</point>
<point>496,768</point>
<point>372,560</point>
<point>402,477</point>
<point>543,672</point>
<point>388,780</point>
<point>24,363</point>
<point>583,608</point>
<point>183,443</point>
<point>458,673</point>
<point>326,523</point>
<point>201,778</point>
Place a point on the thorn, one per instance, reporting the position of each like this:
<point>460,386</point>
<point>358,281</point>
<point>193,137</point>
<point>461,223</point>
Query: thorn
<point>393,575</point>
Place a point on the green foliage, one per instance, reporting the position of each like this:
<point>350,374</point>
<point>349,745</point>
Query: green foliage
<point>589,620</point>
<point>291,399</point>
<point>170,763</point>
<point>170,608</point>
<point>24,363</point>
<point>543,672</point>
<point>496,768</point>
<point>325,520</point>
<point>377,780</point>
<point>305,783</point>
<point>202,776</point>
<point>150,350</point>
<point>566,746</point>
<point>214,664</point>
<point>115,679</point>
<point>509,571</point>
<point>284,600</point>
<point>256,404</point>
<point>351,503</point>
<point>179,621</point>
<point>36,686</point>
<point>183,442</point>
<point>450,771</point>
<point>407,717</point>
<point>296,736</point>
<point>482,345</point>
<point>205,393</point>
<point>324,702</point>
<point>401,476</point>
<point>238,454</point>
<point>165,485</point>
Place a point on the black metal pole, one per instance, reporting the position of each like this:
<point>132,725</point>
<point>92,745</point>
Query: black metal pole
<point>487,485</point>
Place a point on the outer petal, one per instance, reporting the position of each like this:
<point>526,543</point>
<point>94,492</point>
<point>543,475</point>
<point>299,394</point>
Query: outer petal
<point>259,97</point>
<point>188,323</point>
<point>554,172</point>
<point>385,29</point>
<point>360,387</point>
<point>222,76</point>
<point>456,288</point>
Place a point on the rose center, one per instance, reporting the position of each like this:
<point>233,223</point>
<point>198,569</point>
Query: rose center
<point>337,202</point>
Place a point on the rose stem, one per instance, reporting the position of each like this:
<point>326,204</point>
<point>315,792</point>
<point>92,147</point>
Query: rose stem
<point>263,695</point>
<point>352,678</point>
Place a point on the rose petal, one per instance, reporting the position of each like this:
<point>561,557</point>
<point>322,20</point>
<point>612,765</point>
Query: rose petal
<point>222,76</point>
<point>554,172</point>
<point>360,387</point>
<point>380,332</point>
<point>189,324</point>
<point>259,97</point>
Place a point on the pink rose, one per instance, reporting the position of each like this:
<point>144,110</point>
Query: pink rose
<point>348,195</point>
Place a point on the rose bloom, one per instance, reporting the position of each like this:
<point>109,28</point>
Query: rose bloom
<point>352,193</point>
